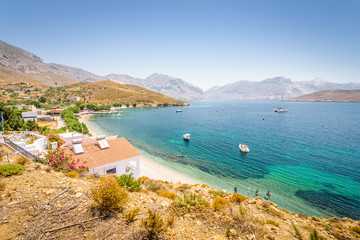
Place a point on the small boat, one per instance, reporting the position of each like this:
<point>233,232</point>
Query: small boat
<point>182,154</point>
<point>186,136</point>
<point>178,110</point>
<point>244,148</point>
<point>280,110</point>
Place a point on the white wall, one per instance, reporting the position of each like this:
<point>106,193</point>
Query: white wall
<point>120,167</point>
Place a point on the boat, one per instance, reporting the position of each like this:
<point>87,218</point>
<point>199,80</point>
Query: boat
<point>186,136</point>
<point>178,110</point>
<point>280,110</point>
<point>244,148</point>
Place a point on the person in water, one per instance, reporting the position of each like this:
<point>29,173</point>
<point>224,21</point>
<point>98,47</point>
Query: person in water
<point>235,189</point>
<point>257,192</point>
<point>267,195</point>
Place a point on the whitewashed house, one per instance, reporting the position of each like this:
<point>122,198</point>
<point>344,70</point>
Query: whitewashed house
<point>73,99</point>
<point>26,116</point>
<point>105,155</point>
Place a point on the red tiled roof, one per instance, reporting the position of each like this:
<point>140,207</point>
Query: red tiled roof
<point>119,149</point>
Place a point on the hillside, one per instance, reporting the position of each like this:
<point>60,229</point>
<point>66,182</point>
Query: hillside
<point>52,74</point>
<point>14,60</point>
<point>109,92</point>
<point>329,96</point>
<point>43,204</point>
<point>275,88</point>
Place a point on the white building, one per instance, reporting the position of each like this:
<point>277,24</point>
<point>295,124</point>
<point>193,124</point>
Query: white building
<point>73,99</point>
<point>29,116</point>
<point>105,156</point>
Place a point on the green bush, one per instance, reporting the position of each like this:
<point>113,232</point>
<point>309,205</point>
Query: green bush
<point>297,233</point>
<point>191,201</point>
<point>127,181</point>
<point>10,169</point>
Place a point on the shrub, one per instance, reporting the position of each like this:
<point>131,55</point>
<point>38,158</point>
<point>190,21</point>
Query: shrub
<point>10,169</point>
<point>314,236</point>
<point>108,196</point>
<point>355,229</point>
<point>238,198</point>
<point>191,201</point>
<point>131,214</point>
<point>153,225</point>
<point>60,161</point>
<point>242,211</point>
<point>153,185</point>
<point>205,186</point>
<point>272,223</point>
<point>167,194</point>
<point>217,193</point>
<point>170,220</point>
<point>273,212</point>
<point>22,160</point>
<point>143,179</point>
<point>297,233</point>
<point>2,186</point>
<point>72,174</point>
<point>228,233</point>
<point>127,181</point>
<point>219,203</point>
<point>55,138</point>
<point>183,187</point>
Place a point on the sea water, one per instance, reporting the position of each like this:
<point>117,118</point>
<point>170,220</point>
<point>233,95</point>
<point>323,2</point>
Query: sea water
<point>308,158</point>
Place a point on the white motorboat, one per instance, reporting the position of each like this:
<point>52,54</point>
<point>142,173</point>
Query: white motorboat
<point>186,136</point>
<point>178,110</point>
<point>280,110</point>
<point>244,148</point>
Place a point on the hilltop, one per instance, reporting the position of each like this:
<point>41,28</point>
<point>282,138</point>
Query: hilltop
<point>329,96</point>
<point>43,204</point>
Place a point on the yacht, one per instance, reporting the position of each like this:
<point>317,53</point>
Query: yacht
<point>280,110</point>
<point>178,110</point>
<point>244,148</point>
<point>186,136</point>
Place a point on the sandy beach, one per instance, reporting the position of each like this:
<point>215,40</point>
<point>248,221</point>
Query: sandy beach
<point>148,167</point>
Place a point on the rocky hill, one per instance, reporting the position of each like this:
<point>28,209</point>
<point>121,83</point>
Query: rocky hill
<point>52,74</point>
<point>329,96</point>
<point>170,86</point>
<point>275,88</point>
<point>43,204</point>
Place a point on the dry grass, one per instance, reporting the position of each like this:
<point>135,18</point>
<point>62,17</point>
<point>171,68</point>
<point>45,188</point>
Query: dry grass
<point>73,174</point>
<point>108,196</point>
<point>219,203</point>
<point>238,198</point>
<point>22,160</point>
<point>167,194</point>
<point>2,186</point>
<point>131,215</point>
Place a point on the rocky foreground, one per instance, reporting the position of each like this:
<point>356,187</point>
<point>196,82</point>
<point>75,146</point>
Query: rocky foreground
<point>43,204</point>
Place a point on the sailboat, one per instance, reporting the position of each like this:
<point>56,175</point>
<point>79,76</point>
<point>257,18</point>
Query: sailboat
<point>280,109</point>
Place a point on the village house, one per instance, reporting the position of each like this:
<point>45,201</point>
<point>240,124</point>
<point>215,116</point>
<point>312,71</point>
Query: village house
<point>73,99</point>
<point>26,116</point>
<point>105,155</point>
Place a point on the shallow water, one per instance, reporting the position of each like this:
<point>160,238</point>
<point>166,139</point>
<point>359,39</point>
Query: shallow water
<point>308,158</point>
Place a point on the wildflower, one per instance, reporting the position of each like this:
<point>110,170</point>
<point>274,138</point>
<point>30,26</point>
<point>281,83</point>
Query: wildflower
<point>71,167</point>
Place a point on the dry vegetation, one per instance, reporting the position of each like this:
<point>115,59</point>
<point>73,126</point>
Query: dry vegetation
<point>41,204</point>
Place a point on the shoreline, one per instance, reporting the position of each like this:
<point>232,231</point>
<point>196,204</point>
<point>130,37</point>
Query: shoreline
<point>149,167</point>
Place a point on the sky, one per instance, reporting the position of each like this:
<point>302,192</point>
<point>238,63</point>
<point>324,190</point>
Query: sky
<point>204,42</point>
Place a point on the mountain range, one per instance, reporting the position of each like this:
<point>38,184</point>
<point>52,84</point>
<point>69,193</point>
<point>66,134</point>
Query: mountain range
<point>53,74</point>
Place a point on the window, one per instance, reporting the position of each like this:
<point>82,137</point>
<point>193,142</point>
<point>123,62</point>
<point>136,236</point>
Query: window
<point>111,170</point>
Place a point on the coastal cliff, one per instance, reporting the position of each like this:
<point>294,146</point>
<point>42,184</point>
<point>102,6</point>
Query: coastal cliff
<point>43,204</point>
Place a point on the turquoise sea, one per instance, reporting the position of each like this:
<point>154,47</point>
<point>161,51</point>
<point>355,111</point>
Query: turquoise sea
<point>308,158</point>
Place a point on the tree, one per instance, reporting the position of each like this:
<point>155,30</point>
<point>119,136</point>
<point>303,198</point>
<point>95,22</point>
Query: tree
<point>42,99</point>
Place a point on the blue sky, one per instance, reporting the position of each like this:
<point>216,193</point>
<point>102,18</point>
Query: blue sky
<point>206,43</point>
